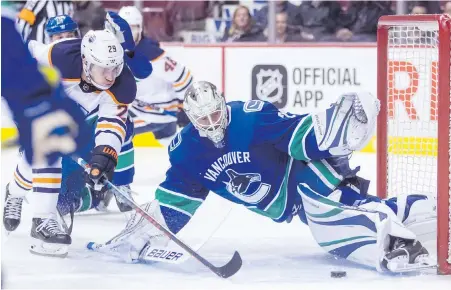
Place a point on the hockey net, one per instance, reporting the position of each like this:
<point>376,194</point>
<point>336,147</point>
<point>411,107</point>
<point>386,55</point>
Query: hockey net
<point>414,126</point>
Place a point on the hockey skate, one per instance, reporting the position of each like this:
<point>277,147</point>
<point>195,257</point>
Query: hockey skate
<point>12,211</point>
<point>48,238</point>
<point>406,255</point>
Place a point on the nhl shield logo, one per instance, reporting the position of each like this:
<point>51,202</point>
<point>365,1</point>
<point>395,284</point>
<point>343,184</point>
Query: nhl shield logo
<point>269,83</point>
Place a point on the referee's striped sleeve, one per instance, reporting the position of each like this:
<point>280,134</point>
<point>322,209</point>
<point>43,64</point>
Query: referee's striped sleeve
<point>27,16</point>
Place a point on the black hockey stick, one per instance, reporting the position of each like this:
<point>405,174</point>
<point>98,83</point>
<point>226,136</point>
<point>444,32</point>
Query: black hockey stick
<point>225,271</point>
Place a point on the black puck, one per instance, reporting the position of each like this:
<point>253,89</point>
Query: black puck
<point>338,274</point>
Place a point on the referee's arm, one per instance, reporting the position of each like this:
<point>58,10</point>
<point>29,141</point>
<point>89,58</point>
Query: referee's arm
<point>27,16</point>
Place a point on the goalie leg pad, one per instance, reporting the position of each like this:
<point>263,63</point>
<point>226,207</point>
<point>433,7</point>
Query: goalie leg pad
<point>419,214</point>
<point>136,236</point>
<point>359,234</point>
<point>348,124</point>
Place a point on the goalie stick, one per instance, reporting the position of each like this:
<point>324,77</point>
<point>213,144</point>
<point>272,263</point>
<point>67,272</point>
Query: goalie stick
<point>225,271</point>
<point>170,253</point>
<point>141,105</point>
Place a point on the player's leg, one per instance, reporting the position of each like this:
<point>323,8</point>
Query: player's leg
<point>370,234</point>
<point>124,171</point>
<point>331,182</point>
<point>162,123</point>
<point>16,190</point>
<point>48,237</point>
<point>335,179</point>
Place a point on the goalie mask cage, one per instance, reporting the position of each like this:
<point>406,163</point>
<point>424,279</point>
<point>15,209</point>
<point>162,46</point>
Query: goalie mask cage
<point>414,124</point>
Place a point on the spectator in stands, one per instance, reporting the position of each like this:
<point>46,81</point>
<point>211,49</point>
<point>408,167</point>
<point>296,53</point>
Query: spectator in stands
<point>413,35</point>
<point>320,20</point>
<point>291,10</point>
<point>243,27</point>
<point>432,7</point>
<point>419,8</point>
<point>283,34</point>
<point>359,23</point>
<point>417,36</point>
<point>89,15</point>
<point>447,8</point>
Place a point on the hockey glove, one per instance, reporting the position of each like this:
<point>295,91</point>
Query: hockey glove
<point>140,66</point>
<point>182,119</point>
<point>121,30</point>
<point>102,164</point>
<point>50,128</point>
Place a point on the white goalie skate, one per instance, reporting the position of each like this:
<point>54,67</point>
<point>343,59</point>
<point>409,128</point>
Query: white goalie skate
<point>348,124</point>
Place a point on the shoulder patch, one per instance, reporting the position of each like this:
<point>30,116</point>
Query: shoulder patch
<point>124,89</point>
<point>66,57</point>
<point>253,106</point>
<point>176,141</point>
<point>149,49</point>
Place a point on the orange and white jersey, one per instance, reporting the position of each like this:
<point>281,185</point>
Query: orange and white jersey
<point>164,89</point>
<point>109,106</point>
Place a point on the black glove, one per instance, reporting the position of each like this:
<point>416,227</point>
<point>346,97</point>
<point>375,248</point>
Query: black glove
<point>102,164</point>
<point>182,119</point>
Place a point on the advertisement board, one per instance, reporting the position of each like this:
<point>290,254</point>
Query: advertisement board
<point>303,78</point>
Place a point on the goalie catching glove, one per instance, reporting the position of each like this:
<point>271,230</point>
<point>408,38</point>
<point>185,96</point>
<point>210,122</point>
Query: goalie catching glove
<point>102,164</point>
<point>348,124</point>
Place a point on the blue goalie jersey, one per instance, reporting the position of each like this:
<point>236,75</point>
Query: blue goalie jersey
<point>267,154</point>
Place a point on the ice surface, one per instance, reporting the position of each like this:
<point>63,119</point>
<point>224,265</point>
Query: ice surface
<point>275,256</point>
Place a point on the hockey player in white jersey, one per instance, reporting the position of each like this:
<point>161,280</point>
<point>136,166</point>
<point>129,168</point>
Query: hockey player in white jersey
<point>281,165</point>
<point>94,76</point>
<point>159,97</point>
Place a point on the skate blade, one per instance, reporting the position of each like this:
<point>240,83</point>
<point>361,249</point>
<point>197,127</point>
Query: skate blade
<point>5,233</point>
<point>424,263</point>
<point>41,248</point>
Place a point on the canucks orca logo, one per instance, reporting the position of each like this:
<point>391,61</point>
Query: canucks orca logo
<point>239,184</point>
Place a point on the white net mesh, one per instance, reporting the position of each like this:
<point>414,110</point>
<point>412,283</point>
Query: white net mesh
<point>412,96</point>
<point>412,110</point>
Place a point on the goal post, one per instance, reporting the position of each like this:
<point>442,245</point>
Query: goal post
<point>414,123</point>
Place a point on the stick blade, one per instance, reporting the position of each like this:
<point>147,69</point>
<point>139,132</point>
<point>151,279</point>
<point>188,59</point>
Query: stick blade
<point>229,269</point>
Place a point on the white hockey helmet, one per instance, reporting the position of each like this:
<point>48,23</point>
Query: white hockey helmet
<point>102,56</point>
<point>134,18</point>
<point>207,110</point>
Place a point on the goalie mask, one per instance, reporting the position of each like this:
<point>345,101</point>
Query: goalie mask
<point>103,58</point>
<point>207,110</point>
